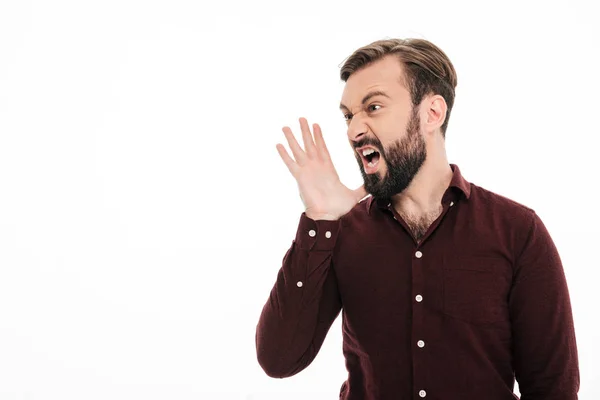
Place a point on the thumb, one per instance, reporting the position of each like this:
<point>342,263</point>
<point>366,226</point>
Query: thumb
<point>360,193</point>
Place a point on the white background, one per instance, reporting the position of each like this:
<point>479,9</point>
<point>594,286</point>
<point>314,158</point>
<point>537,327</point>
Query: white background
<point>144,209</point>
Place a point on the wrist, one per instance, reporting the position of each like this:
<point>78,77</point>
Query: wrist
<point>326,217</point>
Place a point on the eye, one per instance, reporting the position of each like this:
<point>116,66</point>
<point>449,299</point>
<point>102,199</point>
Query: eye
<point>371,108</point>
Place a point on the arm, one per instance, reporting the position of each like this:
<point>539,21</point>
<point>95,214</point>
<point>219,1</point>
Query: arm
<point>544,347</point>
<point>295,319</point>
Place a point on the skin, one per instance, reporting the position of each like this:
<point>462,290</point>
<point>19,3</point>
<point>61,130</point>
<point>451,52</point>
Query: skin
<point>413,168</point>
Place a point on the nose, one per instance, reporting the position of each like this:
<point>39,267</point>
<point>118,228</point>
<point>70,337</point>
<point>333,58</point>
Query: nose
<point>356,128</point>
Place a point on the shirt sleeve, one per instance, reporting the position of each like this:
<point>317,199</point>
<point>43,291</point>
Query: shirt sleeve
<point>544,346</point>
<point>303,303</point>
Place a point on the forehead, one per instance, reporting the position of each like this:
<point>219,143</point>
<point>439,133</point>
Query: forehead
<point>384,74</point>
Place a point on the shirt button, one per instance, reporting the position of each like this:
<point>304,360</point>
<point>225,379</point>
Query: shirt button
<point>419,298</point>
<point>421,343</point>
<point>299,283</point>
<point>422,393</point>
<point>312,233</point>
<point>327,234</point>
<point>418,254</point>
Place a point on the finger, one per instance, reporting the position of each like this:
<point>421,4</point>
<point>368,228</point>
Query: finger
<point>289,162</point>
<point>320,143</point>
<point>294,146</point>
<point>309,145</point>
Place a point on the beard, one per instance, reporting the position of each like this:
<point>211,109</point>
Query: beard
<point>403,159</point>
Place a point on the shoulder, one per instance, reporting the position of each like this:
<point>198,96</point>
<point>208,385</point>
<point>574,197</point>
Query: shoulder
<point>497,203</point>
<point>503,214</point>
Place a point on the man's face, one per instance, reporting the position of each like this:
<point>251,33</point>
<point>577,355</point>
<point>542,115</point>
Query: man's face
<point>385,122</point>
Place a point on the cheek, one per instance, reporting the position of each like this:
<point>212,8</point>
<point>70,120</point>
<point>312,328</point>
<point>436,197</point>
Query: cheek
<point>389,125</point>
<point>401,123</point>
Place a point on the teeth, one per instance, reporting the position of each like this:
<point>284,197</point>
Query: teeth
<point>372,165</point>
<point>366,152</point>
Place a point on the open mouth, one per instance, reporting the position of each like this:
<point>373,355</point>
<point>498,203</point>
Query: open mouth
<point>370,158</point>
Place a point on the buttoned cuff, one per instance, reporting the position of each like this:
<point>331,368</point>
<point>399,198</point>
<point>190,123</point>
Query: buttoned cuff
<point>320,235</point>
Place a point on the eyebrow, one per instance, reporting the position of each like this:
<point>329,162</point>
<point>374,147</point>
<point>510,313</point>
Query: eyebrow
<point>367,97</point>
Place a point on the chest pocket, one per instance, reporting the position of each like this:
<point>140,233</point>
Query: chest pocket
<point>475,289</point>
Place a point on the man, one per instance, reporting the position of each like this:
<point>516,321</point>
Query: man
<point>448,291</point>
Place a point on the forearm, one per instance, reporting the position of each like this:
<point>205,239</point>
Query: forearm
<point>302,304</point>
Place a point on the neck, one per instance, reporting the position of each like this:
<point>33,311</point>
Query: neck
<point>425,192</point>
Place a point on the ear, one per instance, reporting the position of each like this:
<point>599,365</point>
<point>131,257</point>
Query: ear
<point>434,108</point>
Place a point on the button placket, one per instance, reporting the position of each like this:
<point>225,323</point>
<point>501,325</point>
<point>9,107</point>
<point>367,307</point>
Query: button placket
<point>418,320</point>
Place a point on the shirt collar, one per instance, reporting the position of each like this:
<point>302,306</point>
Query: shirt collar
<point>458,181</point>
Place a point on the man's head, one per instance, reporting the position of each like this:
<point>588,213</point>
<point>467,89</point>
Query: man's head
<point>397,101</point>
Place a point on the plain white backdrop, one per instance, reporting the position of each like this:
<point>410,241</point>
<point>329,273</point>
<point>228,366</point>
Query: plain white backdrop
<point>145,211</point>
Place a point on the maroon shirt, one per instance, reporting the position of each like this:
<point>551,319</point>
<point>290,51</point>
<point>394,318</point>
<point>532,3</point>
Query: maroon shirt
<point>482,299</point>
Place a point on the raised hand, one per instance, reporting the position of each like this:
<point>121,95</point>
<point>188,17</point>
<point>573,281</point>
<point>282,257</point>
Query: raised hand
<point>321,191</point>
